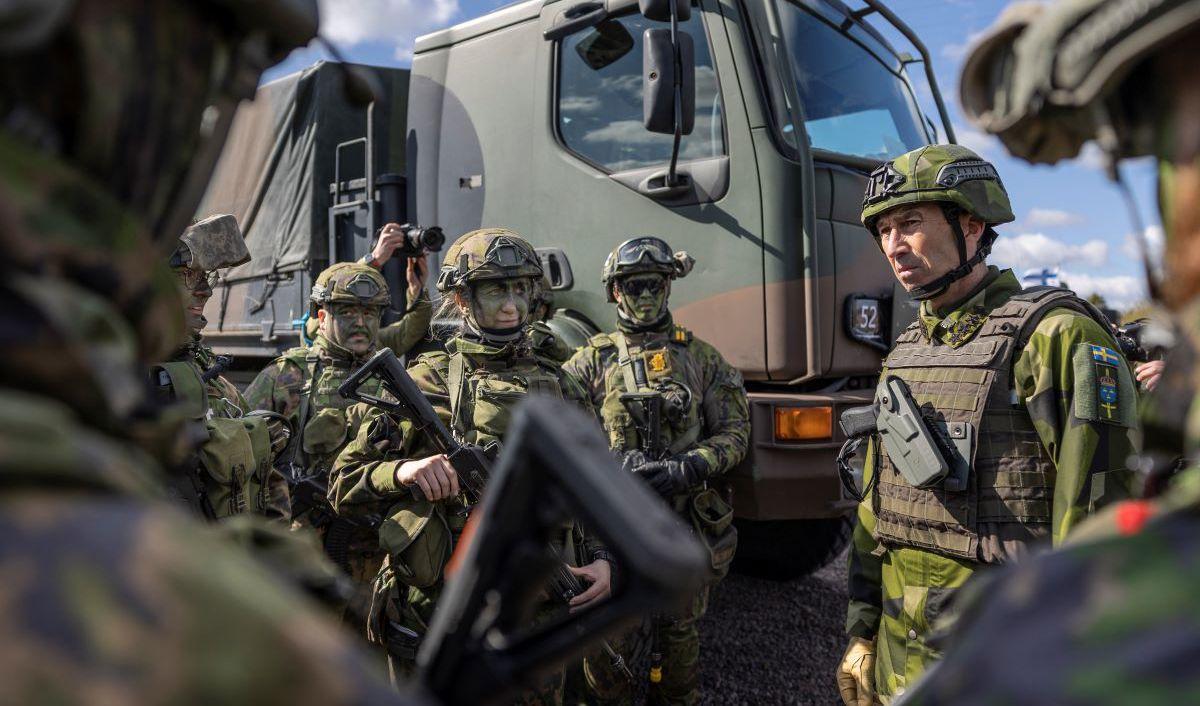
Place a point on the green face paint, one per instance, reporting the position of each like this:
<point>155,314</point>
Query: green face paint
<point>643,298</point>
<point>197,289</point>
<point>354,327</point>
<point>501,303</point>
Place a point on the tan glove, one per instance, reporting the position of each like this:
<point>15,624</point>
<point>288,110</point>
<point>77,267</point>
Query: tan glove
<point>856,673</point>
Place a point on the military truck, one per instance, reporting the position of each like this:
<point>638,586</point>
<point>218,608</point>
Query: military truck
<point>739,130</point>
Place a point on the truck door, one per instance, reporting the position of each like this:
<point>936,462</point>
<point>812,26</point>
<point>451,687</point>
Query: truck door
<point>596,173</point>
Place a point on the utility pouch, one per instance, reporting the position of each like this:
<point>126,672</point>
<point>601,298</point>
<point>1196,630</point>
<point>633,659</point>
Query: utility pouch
<point>227,459</point>
<point>418,540</point>
<point>712,518</point>
<point>258,482</point>
<point>911,446</point>
<point>325,432</point>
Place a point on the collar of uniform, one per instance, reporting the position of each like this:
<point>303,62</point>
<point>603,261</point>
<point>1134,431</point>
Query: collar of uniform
<point>959,322</point>
<point>337,356</point>
<point>479,349</point>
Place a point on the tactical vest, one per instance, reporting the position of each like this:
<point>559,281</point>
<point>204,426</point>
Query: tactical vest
<point>228,474</point>
<point>1008,499</point>
<point>484,391</point>
<point>321,417</point>
<point>658,365</point>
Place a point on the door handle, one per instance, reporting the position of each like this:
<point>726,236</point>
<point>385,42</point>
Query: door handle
<point>655,185</point>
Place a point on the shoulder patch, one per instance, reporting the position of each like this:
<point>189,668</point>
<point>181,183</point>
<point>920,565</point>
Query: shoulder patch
<point>1104,389</point>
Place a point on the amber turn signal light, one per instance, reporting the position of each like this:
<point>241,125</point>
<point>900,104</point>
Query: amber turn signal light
<point>803,423</point>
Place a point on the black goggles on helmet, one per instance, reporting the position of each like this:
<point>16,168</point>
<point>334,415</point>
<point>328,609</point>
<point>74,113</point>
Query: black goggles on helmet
<point>635,250</point>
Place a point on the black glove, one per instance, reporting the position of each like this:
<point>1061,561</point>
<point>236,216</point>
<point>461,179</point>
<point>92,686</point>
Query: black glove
<point>631,460</point>
<point>675,475</point>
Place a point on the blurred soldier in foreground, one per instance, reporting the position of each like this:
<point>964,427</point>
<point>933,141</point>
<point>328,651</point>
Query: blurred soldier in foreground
<point>112,115</point>
<point>490,277</point>
<point>1111,617</point>
<point>232,472</point>
<point>1003,417</point>
<point>347,302</point>
<point>678,412</point>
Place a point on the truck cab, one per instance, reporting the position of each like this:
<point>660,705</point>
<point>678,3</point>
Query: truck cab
<point>532,118</point>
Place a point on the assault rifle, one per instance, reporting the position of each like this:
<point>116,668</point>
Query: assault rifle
<point>646,411</point>
<point>471,463</point>
<point>405,400</point>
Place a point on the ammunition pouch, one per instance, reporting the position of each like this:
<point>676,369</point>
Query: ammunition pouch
<point>418,542</point>
<point>228,463</point>
<point>712,519</point>
<point>324,433</point>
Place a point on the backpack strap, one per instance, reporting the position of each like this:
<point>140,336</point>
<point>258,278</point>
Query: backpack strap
<point>625,362</point>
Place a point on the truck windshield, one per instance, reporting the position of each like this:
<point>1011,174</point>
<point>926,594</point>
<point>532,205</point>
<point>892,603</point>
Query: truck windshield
<point>850,88</point>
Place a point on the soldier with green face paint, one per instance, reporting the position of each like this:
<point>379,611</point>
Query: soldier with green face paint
<point>231,473</point>
<point>703,431</point>
<point>347,302</point>
<point>1005,417</point>
<point>489,279</point>
<point>1109,618</point>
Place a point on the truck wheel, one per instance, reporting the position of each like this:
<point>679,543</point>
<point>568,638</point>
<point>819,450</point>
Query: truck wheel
<point>782,550</point>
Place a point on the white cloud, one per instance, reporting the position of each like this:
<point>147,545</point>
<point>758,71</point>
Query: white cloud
<point>348,22</point>
<point>1119,291</point>
<point>1037,250</point>
<point>1052,218</point>
<point>958,51</point>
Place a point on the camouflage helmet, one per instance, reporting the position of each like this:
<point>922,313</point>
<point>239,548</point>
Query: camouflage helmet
<point>349,283</point>
<point>1046,79</point>
<point>643,255</point>
<point>488,253</point>
<point>211,244</point>
<point>949,174</point>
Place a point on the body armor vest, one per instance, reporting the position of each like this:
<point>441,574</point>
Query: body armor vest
<point>484,391</point>
<point>1008,499</point>
<point>659,364</point>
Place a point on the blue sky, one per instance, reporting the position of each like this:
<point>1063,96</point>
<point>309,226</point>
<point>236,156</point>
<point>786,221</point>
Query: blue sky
<point>1068,215</point>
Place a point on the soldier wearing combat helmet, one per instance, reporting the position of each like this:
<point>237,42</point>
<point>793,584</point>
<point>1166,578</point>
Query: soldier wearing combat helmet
<point>489,278</point>
<point>702,431</point>
<point>111,117</point>
<point>232,472</point>
<point>1108,618</point>
<point>347,303</point>
<point>1024,408</point>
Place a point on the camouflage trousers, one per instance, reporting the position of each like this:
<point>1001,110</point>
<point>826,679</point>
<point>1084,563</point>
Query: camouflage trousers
<point>676,638</point>
<point>917,585</point>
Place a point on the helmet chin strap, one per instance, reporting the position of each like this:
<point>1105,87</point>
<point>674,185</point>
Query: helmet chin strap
<point>941,284</point>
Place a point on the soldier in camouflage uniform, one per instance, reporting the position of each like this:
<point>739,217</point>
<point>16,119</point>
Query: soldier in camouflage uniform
<point>347,301</point>
<point>490,276</point>
<point>112,113</point>
<point>232,472</point>
<point>1124,631</point>
<point>704,432</point>
<point>1033,376</point>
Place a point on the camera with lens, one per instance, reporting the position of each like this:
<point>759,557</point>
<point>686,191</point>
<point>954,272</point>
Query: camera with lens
<point>418,240</point>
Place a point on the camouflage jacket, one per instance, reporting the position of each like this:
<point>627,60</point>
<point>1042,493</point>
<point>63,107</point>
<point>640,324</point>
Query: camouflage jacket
<point>418,536</point>
<point>109,591</point>
<point>705,407</point>
<point>896,593</point>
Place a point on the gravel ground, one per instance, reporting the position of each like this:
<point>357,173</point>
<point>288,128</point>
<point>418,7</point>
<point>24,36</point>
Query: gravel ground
<point>769,642</point>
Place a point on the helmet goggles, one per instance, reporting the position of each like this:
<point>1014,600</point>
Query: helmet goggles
<point>636,250</point>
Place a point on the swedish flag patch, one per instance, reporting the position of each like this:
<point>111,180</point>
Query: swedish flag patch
<point>1101,354</point>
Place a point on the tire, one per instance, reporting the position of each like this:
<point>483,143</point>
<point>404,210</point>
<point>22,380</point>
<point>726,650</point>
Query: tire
<point>783,550</point>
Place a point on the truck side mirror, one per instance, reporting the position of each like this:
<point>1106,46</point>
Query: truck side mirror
<point>660,10</point>
<point>557,268</point>
<point>659,80</point>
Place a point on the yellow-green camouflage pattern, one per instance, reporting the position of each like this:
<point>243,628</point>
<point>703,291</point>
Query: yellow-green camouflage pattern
<point>897,594</point>
<point>417,535</point>
<point>715,426</point>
